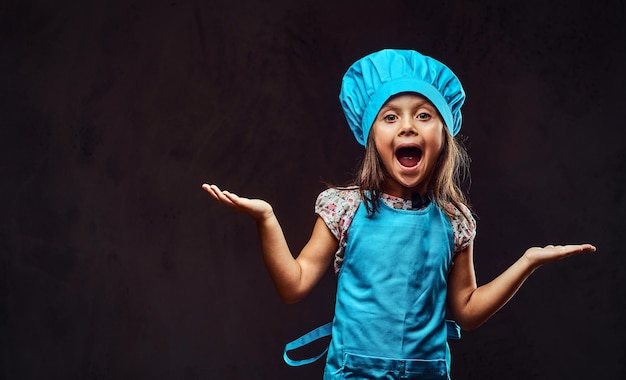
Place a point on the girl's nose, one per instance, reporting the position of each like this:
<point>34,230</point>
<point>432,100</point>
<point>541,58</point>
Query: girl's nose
<point>407,127</point>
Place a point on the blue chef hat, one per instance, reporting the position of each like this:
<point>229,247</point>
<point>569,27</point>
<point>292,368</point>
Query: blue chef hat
<point>372,80</point>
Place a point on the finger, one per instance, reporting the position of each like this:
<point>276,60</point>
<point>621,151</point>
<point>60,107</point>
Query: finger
<point>219,195</point>
<point>211,191</point>
<point>589,248</point>
<point>582,248</point>
<point>575,248</point>
<point>232,197</point>
<point>224,196</point>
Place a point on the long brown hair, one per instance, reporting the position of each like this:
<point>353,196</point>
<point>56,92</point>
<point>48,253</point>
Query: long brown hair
<point>451,170</point>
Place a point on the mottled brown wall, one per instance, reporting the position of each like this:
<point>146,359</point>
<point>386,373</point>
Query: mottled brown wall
<point>114,263</point>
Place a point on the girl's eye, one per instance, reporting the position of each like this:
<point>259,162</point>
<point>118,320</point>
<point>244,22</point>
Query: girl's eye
<point>390,117</point>
<point>423,116</point>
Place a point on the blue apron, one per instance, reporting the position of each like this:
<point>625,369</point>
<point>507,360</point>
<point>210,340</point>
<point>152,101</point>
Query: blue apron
<point>391,298</point>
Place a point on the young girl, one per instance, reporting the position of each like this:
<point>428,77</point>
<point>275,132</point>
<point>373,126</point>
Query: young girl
<point>401,239</point>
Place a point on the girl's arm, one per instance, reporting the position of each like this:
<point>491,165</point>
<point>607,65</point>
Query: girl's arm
<point>293,278</point>
<point>472,305</point>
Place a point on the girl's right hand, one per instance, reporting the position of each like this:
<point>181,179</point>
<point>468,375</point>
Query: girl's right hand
<point>256,208</point>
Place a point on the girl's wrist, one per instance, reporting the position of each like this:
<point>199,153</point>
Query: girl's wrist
<point>265,216</point>
<point>530,262</point>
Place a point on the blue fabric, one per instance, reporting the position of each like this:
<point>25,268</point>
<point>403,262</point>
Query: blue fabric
<point>372,80</point>
<point>318,333</point>
<point>390,308</point>
<point>391,297</point>
<point>324,331</point>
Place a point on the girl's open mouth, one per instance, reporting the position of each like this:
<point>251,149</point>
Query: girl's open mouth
<point>409,156</point>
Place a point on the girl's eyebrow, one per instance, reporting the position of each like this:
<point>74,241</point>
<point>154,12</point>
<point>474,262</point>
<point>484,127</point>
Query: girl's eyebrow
<point>421,104</point>
<point>424,103</point>
<point>388,107</point>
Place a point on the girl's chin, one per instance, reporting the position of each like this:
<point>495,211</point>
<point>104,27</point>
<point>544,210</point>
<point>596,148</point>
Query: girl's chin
<point>410,180</point>
<point>404,188</point>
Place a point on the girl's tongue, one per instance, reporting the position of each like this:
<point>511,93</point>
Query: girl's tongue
<point>409,157</point>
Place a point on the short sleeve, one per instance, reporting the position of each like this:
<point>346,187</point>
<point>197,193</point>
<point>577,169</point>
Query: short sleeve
<point>336,207</point>
<point>463,225</point>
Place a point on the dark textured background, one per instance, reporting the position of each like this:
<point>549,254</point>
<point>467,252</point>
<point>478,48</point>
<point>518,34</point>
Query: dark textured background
<point>115,264</point>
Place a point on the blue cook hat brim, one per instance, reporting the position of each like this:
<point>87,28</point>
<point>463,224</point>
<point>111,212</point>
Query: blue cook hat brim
<point>398,86</point>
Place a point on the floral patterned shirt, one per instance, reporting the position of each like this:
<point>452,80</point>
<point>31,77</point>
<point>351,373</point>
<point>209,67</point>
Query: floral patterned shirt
<point>337,207</point>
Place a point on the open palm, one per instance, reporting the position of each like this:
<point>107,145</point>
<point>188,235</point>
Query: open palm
<point>256,208</point>
<point>539,256</point>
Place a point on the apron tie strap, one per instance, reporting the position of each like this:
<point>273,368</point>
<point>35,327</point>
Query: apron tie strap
<point>318,333</point>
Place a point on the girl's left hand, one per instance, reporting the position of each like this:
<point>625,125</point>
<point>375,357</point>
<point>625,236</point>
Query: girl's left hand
<point>538,256</point>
